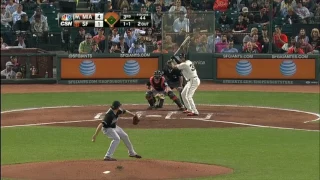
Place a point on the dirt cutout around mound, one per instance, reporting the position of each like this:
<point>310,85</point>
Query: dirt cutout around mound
<point>167,117</point>
<point>116,170</point>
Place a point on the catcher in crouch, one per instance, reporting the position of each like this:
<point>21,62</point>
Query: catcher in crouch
<point>158,88</point>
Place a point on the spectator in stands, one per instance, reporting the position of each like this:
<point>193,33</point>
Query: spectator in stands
<point>136,48</point>
<point>148,37</point>
<point>279,38</point>
<point>16,16</point>
<point>168,44</point>
<point>94,48</point>
<point>315,39</point>
<point>305,46</point>
<point>221,45</point>
<point>229,48</point>
<point>85,46</point>
<point>79,38</point>
<point>262,18</point>
<point>123,4</point>
<point>181,24</point>
<point>159,48</point>
<point>28,5</point>
<point>201,44</point>
<point>8,72</point>
<point>21,42</point>
<point>124,48</point>
<point>39,27</point>
<point>157,17</point>
<point>102,45</point>
<point>165,3</point>
<point>11,6</point>
<point>295,49</point>
<point>175,10</point>
<point>143,9</point>
<point>250,49</point>
<point>19,75</point>
<point>302,12</point>
<point>292,17</point>
<point>65,39</point>
<point>303,34</point>
<point>254,8</point>
<point>16,65</point>
<point>225,20</point>
<point>100,36</point>
<point>249,37</point>
<point>317,14</point>
<point>310,5</point>
<point>249,18</point>
<point>239,4</point>
<point>129,39</point>
<point>3,44</point>
<point>115,35</point>
<point>39,12</point>
<point>255,43</point>
<point>202,5</point>
<point>6,17</point>
<point>135,32</point>
<point>240,25</point>
<point>286,5</point>
<point>23,24</point>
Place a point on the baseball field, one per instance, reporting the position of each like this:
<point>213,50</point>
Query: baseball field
<point>243,132</point>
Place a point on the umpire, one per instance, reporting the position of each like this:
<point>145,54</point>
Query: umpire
<point>174,79</point>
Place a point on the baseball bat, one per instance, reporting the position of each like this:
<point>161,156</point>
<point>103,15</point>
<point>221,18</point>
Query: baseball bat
<point>182,44</point>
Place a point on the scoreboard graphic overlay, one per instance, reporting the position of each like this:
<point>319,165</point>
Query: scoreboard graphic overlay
<point>108,20</point>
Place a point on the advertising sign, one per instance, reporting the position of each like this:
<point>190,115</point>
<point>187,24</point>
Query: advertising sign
<point>108,68</point>
<point>266,69</point>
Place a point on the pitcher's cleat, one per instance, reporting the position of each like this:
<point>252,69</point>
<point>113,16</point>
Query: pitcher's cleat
<point>109,159</point>
<point>135,156</point>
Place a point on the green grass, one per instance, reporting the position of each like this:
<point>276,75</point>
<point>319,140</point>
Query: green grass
<point>308,102</point>
<point>254,153</point>
<point>251,152</point>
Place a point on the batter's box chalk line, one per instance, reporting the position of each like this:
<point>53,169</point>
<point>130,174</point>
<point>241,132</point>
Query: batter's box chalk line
<point>198,119</point>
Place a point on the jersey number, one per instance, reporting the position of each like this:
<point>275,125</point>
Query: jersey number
<point>192,67</point>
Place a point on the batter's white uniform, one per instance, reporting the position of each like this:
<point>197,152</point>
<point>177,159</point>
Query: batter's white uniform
<point>190,74</point>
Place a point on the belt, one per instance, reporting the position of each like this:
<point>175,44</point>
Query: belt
<point>191,78</point>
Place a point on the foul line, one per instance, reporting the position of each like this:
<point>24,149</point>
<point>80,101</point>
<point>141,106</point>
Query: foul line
<point>49,123</point>
<point>212,105</point>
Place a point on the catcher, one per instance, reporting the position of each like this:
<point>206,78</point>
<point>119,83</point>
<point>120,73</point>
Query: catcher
<point>158,89</point>
<point>110,129</point>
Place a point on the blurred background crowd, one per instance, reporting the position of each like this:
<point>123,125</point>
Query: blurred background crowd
<point>215,26</point>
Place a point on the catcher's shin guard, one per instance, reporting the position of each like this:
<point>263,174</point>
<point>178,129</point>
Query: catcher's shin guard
<point>151,100</point>
<point>175,99</point>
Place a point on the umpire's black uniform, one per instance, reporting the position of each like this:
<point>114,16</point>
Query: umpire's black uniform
<point>174,79</point>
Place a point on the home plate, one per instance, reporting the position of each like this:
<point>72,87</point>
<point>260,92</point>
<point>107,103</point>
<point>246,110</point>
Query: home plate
<point>106,172</point>
<point>153,116</point>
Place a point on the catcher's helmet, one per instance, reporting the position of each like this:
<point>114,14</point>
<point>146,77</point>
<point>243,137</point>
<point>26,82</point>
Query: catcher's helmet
<point>157,74</point>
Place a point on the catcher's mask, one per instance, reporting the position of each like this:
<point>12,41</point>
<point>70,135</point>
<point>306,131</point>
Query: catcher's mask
<point>157,75</point>
<point>115,105</point>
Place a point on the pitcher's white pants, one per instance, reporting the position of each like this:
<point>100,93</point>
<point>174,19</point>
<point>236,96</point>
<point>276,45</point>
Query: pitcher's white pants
<point>116,134</point>
<point>188,92</point>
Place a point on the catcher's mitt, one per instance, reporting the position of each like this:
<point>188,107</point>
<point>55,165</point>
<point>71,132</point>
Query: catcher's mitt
<point>135,119</point>
<point>159,96</point>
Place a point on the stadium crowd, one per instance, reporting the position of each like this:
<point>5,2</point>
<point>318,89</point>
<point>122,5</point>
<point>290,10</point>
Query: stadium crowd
<point>215,26</point>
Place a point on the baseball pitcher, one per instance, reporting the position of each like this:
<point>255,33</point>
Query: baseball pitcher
<point>110,129</point>
<point>158,89</point>
<point>190,74</point>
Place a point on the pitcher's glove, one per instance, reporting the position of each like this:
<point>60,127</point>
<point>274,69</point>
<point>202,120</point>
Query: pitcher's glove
<point>135,119</point>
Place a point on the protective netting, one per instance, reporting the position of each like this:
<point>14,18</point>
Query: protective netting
<point>199,26</point>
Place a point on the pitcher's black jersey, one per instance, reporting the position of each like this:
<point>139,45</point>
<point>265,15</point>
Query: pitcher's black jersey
<point>111,118</point>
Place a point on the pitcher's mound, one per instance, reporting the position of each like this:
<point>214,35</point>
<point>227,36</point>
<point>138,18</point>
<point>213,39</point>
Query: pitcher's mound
<point>115,170</point>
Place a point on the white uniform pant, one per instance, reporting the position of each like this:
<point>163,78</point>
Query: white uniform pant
<point>188,92</point>
<point>116,134</point>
